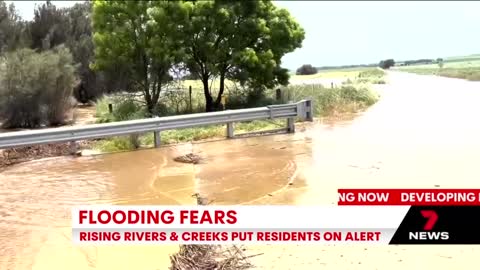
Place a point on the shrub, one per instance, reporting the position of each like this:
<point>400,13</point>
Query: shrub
<point>124,108</point>
<point>58,78</point>
<point>128,110</point>
<point>386,64</point>
<point>240,98</point>
<point>306,70</point>
<point>374,76</point>
<point>36,88</point>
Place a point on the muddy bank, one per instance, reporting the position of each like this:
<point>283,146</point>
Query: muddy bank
<point>18,155</point>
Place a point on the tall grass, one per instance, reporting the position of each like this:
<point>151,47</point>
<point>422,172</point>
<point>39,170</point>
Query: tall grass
<point>347,98</point>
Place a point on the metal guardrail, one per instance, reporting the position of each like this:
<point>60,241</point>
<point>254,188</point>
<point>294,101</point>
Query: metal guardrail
<point>302,109</point>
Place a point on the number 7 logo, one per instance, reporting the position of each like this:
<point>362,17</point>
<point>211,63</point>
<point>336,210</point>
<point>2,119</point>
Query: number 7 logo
<point>431,217</point>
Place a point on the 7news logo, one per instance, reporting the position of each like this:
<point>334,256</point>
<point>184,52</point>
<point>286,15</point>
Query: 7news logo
<point>428,233</point>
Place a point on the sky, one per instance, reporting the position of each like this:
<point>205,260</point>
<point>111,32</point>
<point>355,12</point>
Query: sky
<point>344,33</point>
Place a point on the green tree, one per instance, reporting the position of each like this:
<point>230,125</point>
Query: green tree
<point>80,43</point>
<point>386,64</point>
<point>440,62</point>
<point>139,40</point>
<point>306,70</point>
<point>12,29</point>
<point>243,41</point>
<point>50,26</point>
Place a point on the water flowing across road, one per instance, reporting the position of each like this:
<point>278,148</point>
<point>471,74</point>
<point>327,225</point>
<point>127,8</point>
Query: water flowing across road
<point>422,134</point>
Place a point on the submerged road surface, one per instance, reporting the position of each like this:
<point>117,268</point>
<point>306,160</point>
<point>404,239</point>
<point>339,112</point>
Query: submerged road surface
<point>423,133</point>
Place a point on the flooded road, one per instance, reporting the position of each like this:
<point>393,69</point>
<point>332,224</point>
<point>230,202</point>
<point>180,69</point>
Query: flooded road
<point>37,198</point>
<point>423,133</point>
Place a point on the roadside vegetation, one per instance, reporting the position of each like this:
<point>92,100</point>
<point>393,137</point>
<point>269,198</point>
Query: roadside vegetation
<point>36,88</point>
<point>373,76</point>
<point>471,74</point>
<point>354,95</point>
<point>343,74</point>
<point>147,65</point>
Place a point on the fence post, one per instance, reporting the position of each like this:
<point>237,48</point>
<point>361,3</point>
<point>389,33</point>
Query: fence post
<point>230,130</point>
<point>278,95</point>
<point>190,98</point>
<point>156,138</point>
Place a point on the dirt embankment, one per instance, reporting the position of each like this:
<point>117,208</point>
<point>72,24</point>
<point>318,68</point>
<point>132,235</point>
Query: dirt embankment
<point>23,154</point>
<point>82,115</point>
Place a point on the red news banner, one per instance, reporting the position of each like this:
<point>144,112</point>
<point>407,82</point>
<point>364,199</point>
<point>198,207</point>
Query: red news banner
<point>411,197</point>
<point>434,216</point>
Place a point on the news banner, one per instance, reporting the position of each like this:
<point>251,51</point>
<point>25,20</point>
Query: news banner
<point>362,216</point>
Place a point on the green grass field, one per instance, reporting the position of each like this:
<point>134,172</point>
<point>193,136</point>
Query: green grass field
<point>466,67</point>
<point>464,58</point>
<point>471,63</point>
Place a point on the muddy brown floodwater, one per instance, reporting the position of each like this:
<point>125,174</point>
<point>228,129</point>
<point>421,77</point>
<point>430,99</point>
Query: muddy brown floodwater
<point>422,134</point>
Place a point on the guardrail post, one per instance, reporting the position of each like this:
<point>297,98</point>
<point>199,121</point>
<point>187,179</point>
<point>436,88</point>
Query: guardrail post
<point>290,123</point>
<point>73,148</point>
<point>309,105</point>
<point>230,130</point>
<point>156,138</point>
